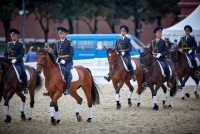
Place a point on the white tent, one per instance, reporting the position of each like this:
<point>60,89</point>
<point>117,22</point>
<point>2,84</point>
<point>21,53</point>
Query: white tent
<point>177,31</point>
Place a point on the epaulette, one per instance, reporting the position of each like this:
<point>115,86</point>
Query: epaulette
<point>20,42</point>
<point>9,42</point>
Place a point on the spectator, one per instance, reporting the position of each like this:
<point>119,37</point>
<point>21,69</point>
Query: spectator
<point>46,46</point>
<point>38,49</point>
<point>198,48</point>
<point>175,45</point>
<point>31,56</point>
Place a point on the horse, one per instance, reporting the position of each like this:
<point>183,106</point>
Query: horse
<point>119,75</point>
<point>153,76</point>
<point>9,85</point>
<point>183,71</point>
<point>55,85</point>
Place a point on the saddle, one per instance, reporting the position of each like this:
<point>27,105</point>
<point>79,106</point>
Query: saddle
<point>19,73</point>
<point>163,69</point>
<point>73,73</point>
<point>189,59</point>
<point>125,63</point>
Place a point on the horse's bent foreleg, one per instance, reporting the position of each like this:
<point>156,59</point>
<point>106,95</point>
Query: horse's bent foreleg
<point>155,97</point>
<point>23,99</point>
<point>164,94</point>
<point>54,107</point>
<point>78,105</point>
<point>117,90</point>
<point>6,105</point>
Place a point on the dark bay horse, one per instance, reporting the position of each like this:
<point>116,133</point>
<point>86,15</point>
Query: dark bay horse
<point>154,76</point>
<point>184,71</point>
<point>9,85</point>
<point>119,75</point>
<point>55,85</point>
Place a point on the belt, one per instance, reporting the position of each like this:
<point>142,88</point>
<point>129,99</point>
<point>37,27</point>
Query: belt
<point>122,50</point>
<point>63,56</point>
<point>12,58</point>
<point>187,48</point>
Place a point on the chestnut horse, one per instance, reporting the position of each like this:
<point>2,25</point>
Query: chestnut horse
<point>119,75</point>
<point>55,85</point>
<point>154,76</point>
<point>184,71</point>
<point>9,85</point>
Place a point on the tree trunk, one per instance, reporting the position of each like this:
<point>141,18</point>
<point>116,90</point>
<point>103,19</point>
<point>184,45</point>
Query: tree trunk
<point>137,34</point>
<point>71,28</point>
<point>95,24</point>
<point>6,24</point>
<point>159,21</point>
<point>46,31</point>
<point>112,26</point>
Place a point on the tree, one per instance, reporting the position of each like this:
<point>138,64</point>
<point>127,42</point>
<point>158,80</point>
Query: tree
<point>93,9</point>
<point>45,12</point>
<point>158,9</point>
<point>8,9</point>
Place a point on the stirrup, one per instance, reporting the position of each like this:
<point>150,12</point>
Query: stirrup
<point>26,91</point>
<point>144,84</point>
<point>107,78</point>
<point>197,73</point>
<point>134,78</point>
<point>169,84</point>
<point>66,92</point>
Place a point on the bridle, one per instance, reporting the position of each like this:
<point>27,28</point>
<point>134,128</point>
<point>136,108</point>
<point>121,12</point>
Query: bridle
<point>45,60</point>
<point>178,62</point>
<point>111,63</point>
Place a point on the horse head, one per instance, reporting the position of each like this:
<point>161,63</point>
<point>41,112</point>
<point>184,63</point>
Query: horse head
<point>111,55</point>
<point>5,64</point>
<point>146,58</point>
<point>41,59</point>
<point>175,55</point>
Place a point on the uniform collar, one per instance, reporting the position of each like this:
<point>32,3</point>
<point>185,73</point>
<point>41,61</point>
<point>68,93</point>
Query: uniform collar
<point>62,40</point>
<point>15,42</point>
<point>123,37</point>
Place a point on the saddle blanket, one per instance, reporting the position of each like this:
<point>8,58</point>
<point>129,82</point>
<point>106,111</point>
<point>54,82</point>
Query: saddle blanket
<point>163,70</point>
<point>74,73</point>
<point>125,66</point>
<point>18,75</point>
<point>190,63</point>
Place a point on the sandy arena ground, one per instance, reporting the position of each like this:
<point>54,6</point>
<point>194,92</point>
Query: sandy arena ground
<point>182,118</point>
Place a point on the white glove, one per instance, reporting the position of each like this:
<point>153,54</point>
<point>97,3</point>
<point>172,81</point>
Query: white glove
<point>57,60</point>
<point>158,55</point>
<point>62,61</point>
<point>122,53</point>
<point>190,51</point>
<point>13,61</point>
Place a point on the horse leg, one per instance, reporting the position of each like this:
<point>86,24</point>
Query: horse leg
<point>23,99</point>
<point>164,95</point>
<point>117,94</point>
<point>32,102</point>
<point>155,98</point>
<point>130,92</point>
<point>54,107</point>
<point>184,92</point>
<point>6,105</point>
<point>78,105</point>
<point>196,86</point>
<point>57,113</point>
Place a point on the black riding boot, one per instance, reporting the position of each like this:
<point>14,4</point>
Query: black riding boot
<point>25,84</point>
<point>107,77</point>
<point>67,86</point>
<point>168,80</point>
<point>133,74</point>
<point>197,73</point>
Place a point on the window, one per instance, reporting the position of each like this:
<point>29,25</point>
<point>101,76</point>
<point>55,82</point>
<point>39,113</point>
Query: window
<point>85,45</point>
<point>102,43</point>
<point>137,44</point>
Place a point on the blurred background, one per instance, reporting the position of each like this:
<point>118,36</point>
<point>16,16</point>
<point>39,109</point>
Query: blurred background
<point>37,20</point>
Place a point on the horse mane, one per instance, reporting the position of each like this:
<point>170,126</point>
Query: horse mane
<point>109,50</point>
<point>50,55</point>
<point>3,59</point>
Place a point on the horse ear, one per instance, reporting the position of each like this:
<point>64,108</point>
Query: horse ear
<point>105,48</point>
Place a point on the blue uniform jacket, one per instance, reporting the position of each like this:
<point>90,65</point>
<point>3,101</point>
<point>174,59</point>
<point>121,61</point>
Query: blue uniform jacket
<point>189,44</point>
<point>160,47</point>
<point>14,50</point>
<point>64,50</point>
<point>124,46</point>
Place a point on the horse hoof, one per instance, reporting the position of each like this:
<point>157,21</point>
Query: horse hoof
<point>155,107</point>
<point>164,106</point>
<point>183,98</point>
<point>170,106</point>
<point>23,117</point>
<point>130,104</point>
<point>8,119</point>
<point>29,119</point>
<point>58,121</point>
<point>79,118</point>
<point>118,107</point>
<point>163,102</point>
<point>187,95</point>
<point>197,95</point>
<point>89,120</point>
<point>53,121</point>
<point>138,104</point>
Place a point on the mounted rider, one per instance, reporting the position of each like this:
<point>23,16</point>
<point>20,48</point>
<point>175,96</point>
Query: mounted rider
<point>14,52</point>
<point>124,47</point>
<point>64,52</point>
<point>188,45</point>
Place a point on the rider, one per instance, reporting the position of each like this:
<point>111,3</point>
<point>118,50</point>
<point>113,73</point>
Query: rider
<point>124,47</point>
<point>159,49</point>
<point>188,45</point>
<point>64,52</point>
<point>15,52</point>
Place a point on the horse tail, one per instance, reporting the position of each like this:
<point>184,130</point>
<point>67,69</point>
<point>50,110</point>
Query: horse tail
<point>175,88</point>
<point>94,91</point>
<point>38,81</point>
<point>1,89</point>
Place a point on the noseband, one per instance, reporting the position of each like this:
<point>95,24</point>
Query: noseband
<point>45,60</point>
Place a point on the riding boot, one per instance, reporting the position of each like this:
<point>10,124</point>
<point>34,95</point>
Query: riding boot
<point>107,77</point>
<point>168,80</point>
<point>197,73</point>
<point>67,86</point>
<point>25,84</point>
<point>133,74</point>
<point>144,82</point>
